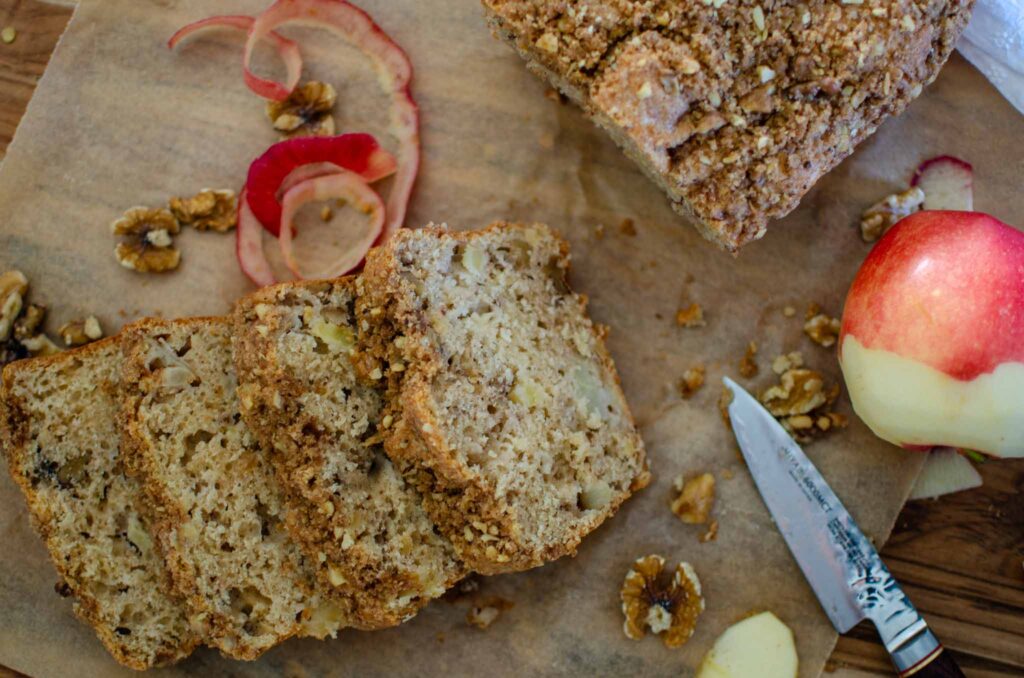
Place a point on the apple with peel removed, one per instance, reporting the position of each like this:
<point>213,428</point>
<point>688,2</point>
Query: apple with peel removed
<point>932,338</point>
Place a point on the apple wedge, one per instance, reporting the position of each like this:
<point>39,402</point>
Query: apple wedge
<point>932,337</point>
<point>757,647</point>
<point>945,471</point>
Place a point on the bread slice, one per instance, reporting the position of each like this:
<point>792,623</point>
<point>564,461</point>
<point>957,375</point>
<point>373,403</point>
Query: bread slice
<point>734,109</point>
<point>60,436</point>
<point>218,512</point>
<point>505,405</point>
<point>301,397</point>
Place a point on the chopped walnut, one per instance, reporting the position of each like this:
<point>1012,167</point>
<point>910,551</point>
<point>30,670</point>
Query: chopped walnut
<point>787,361</point>
<point>306,111</point>
<point>881,216</point>
<point>486,612</point>
<point>40,345</point>
<point>748,364</point>
<point>822,329</point>
<point>711,534</point>
<point>208,210</point>
<point>146,245</point>
<point>691,382</point>
<point>724,400</point>
<point>13,287</point>
<point>668,608</point>
<point>627,227</point>
<point>691,316</point>
<point>802,404</point>
<point>81,332</point>
<point>696,497</point>
<point>27,326</point>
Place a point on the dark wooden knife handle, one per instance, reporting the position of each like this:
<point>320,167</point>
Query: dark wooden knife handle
<point>937,665</point>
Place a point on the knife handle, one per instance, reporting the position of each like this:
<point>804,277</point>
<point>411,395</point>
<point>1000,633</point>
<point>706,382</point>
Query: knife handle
<point>936,665</point>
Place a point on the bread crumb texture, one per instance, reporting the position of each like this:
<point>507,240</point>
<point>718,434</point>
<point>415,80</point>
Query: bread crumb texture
<point>359,522</point>
<point>61,441</point>
<point>506,408</point>
<point>218,513</point>
<point>735,108</point>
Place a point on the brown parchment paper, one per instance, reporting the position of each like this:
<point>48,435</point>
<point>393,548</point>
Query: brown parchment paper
<point>118,120</point>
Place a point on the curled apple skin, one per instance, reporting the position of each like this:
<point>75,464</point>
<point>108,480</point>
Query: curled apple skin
<point>932,338</point>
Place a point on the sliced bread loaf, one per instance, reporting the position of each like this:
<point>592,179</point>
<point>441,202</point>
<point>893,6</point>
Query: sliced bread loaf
<point>351,511</point>
<point>60,435</point>
<point>506,407</point>
<point>217,510</point>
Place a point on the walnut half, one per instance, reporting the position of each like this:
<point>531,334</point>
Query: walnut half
<point>801,402</point>
<point>208,210</point>
<point>146,245</point>
<point>81,332</point>
<point>306,111</point>
<point>669,608</point>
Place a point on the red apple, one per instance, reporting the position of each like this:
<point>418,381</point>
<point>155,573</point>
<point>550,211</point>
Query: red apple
<point>932,338</point>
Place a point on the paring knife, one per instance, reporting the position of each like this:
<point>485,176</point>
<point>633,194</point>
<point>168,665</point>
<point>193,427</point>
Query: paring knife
<point>849,578</point>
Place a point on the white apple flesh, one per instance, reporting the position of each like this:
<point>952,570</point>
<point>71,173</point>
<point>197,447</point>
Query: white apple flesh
<point>932,339</point>
<point>757,647</point>
<point>944,472</point>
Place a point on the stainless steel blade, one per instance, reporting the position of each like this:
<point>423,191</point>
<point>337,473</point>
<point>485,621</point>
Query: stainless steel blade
<point>844,569</point>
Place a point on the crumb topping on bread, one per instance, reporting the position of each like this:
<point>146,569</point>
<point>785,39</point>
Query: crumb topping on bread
<point>735,108</point>
<point>218,512</point>
<point>352,512</point>
<point>61,441</point>
<point>506,406</point>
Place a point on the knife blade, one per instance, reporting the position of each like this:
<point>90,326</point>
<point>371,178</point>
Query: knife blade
<point>843,568</point>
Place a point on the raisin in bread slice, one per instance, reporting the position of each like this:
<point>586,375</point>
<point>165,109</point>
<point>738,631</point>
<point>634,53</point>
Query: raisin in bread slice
<point>351,510</point>
<point>506,406</point>
<point>217,511</point>
<point>61,438</point>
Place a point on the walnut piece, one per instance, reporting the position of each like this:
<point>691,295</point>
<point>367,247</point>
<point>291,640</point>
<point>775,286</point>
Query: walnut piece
<point>881,216</point>
<point>691,316</point>
<point>822,329</point>
<point>306,111</point>
<point>669,608</point>
<point>711,534</point>
<point>81,332</point>
<point>691,382</point>
<point>13,287</point>
<point>146,245</point>
<point>27,326</point>
<point>748,364</point>
<point>208,210</point>
<point>802,403</point>
<point>486,612</point>
<point>696,497</point>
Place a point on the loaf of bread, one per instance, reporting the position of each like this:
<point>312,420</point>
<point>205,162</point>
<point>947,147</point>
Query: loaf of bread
<point>504,406</point>
<point>734,109</point>
<point>216,509</point>
<point>60,436</point>
<point>350,510</point>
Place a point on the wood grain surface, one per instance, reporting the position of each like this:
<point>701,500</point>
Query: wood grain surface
<point>960,559</point>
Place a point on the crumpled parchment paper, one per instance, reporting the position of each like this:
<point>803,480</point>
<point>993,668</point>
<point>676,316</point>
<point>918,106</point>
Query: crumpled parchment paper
<point>118,120</point>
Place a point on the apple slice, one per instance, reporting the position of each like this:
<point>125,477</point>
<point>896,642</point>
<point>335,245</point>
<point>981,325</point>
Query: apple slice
<point>945,471</point>
<point>757,647</point>
<point>947,182</point>
<point>932,338</point>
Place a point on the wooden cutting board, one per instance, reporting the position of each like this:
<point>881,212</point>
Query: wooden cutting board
<point>959,559</point>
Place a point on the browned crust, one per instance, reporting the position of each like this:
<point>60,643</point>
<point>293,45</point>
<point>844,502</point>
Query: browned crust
<point>297,454</point>
<point>164,511</point>
<point>731,207</point>
<point>454,496</point>
<point>14,431</point>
